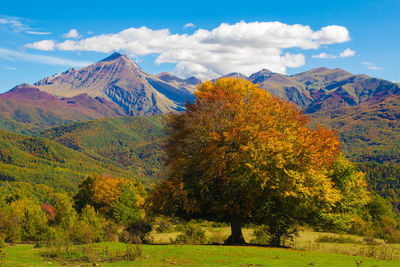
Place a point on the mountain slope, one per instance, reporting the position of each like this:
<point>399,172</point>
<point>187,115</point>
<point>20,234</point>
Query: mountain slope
<point>118,79</point>
<point>25,109</point>
<point>369,131</point>
<point>336,88</point>
<point>130,143</point>
<point>41,161</point>
<point>282,86</point>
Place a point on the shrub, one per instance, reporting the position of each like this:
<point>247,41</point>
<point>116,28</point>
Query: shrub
<point>192,234</point>
<point>388,230</point>
<point>219,224</point>
<point>139,229</point>
<point>165,227</point>
<point>216,237</point>
<point>261,235</point>
<point>90,226</point>
<point>25,221</point>
<point>359,226</point>
<point>111,231</point>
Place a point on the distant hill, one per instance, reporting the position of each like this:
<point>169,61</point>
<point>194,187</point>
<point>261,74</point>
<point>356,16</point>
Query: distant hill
<point>27,109</point>
<point>131,143</point>
<point>41,161</point>
<point>369,131</point>
<point>120,80</point>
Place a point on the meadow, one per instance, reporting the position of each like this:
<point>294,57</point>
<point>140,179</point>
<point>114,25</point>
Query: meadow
<point>303,251</point>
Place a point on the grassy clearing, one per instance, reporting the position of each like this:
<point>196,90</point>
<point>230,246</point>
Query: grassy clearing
<point>305,251</point>
<point>203,255</point>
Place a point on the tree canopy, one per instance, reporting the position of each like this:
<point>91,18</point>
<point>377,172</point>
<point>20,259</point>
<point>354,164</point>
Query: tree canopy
<point>240,155</point>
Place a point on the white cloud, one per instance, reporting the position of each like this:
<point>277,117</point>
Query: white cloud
<point>45,45</point>
<point>10,68</point>
<point>38,33</point>
<point>13,55</point>
<point>371,66</point>
<point>15,24</point>
<point>244,47</point>
<point>324,56</point>
<point>347,53</point>
<point>189,25</point>
<point>332,34</point>
<point>73,33</point>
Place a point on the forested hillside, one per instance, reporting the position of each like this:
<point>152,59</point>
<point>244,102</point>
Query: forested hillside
<point>130,143</point>
<point>38,160</point>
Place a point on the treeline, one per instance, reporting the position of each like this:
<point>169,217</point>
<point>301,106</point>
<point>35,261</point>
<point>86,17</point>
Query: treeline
<point>384,180</point>
<point>103,209</point>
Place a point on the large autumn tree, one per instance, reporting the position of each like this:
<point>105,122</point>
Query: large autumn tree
<point>240,155</point>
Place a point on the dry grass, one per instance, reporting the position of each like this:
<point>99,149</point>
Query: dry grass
<point>307,241</point>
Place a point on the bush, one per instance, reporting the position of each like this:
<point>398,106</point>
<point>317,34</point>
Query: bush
<point>261,235</point>
<point>359,226</point>
<point>192,234</point>
<point>219,224</point>
<point>216,237</point>
<point>388,230</point>
<point>165,227</point>
<point>26,221</point>
<point>140,229</point>
<point>89,227</point>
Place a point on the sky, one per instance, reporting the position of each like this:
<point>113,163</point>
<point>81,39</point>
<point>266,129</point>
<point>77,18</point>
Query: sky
<point>200,38</point>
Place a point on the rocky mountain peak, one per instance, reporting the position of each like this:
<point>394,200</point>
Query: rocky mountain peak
<point>115,56</point>
<point>263,72</point>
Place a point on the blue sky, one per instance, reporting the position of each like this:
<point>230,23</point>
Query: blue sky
<point>220,36</point>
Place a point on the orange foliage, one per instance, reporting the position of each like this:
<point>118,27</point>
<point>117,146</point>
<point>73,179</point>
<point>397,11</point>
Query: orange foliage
<point>106,190</point>
<point>240,145</point>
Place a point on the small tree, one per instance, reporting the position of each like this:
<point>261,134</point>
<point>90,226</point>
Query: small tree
<point>240,155</point>
<point>119,199</point>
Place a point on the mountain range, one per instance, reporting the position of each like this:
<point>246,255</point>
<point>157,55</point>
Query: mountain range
<point>81,109</point>
<point>117,86</point>
<point>119,79</point>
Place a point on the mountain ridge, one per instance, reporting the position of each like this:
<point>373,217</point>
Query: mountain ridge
<point>119,79</point>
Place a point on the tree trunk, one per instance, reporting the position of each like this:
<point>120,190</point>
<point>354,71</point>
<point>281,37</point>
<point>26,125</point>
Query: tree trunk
<point>275,241</point>
<point>236,237</point>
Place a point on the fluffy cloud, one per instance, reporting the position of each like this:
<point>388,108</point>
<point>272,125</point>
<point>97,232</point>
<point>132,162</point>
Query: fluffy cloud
<point>189,25</point>
<point>345,53</point>
<point>45,45</point>
<point>244,47</point>
<point>73,33</point>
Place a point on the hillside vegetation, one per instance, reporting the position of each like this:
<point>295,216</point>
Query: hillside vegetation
<point>130,143</point>
<point>38,160</point>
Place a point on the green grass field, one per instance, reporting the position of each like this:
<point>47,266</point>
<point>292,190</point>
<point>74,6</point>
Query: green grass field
<point>304,251</point>
<point>203,255</point>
